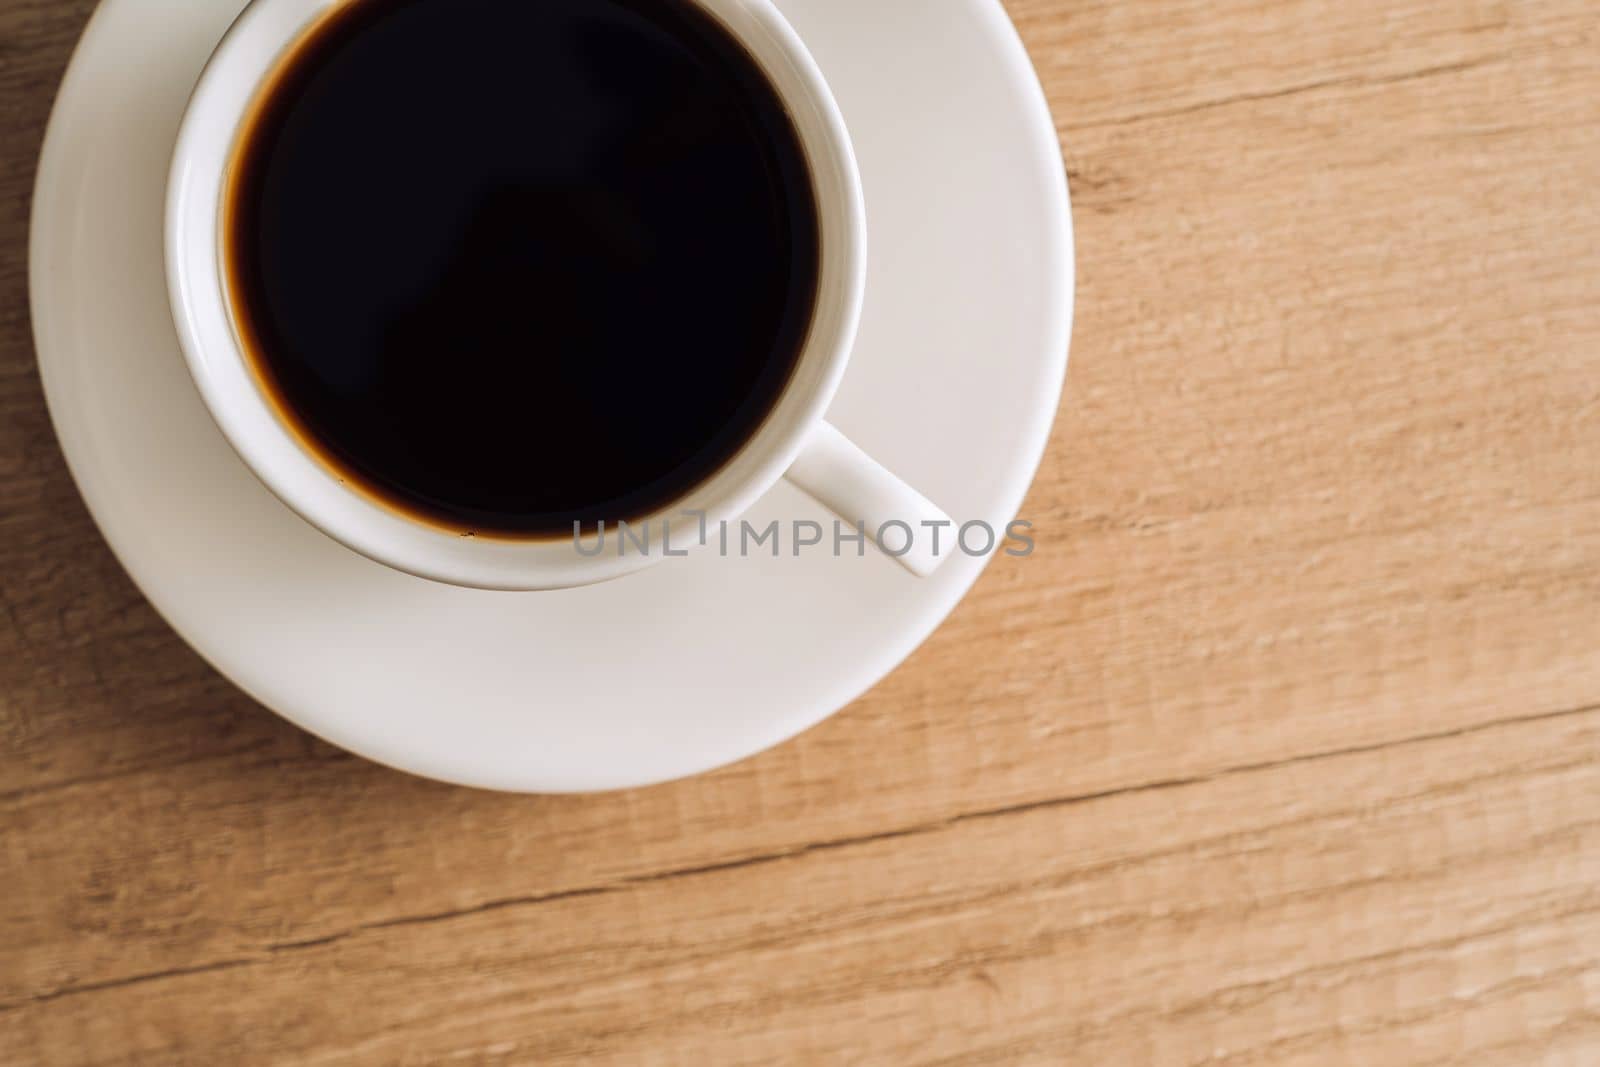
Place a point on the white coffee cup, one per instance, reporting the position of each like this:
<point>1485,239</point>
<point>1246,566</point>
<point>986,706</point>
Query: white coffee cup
<point>795,441</point>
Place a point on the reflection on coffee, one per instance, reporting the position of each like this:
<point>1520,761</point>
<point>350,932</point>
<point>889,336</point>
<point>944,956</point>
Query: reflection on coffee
<point>507,265</point>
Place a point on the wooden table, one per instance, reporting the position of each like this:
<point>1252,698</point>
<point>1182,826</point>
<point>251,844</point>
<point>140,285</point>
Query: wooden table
<point>1283,749</point>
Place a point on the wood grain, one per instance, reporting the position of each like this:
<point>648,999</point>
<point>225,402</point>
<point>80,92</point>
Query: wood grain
<point>1283,749</point>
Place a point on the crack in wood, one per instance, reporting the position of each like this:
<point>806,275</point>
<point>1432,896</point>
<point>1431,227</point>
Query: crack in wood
<point>272,950</point>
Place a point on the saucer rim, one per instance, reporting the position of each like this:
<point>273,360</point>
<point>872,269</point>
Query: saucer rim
<point>1036,421</point>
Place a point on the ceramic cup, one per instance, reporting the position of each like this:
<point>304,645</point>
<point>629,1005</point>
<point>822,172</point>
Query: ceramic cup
<point>795,441</point>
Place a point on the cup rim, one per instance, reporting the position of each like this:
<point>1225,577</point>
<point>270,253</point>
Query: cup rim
<point>243,61</point>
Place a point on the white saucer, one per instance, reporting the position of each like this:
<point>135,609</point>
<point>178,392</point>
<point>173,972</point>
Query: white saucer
<point>693,664</point>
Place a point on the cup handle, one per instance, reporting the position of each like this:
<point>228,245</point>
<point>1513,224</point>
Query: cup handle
<point>863,493</point>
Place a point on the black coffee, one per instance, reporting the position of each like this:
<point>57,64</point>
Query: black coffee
<point>514,264</point>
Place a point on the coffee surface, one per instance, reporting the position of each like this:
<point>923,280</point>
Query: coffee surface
<point>514,264</point>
